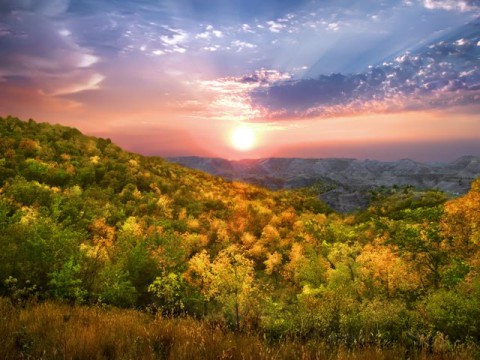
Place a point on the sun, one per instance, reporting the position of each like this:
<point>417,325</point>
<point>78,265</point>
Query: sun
<point>243,138</point>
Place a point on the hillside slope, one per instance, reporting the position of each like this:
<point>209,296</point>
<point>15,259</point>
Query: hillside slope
<point>82,221</point>
<point>66,198</point>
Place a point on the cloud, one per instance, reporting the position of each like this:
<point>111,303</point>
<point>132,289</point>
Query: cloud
<point>241,45</point>
<point>443,75</point>
<point>229,97</point>
<point>274,26</point>
<point>204,35</point>
<point>333,26</point>
<point>173,40</point>
<point>209,33</point>
<point>37,54</point>
<point>211,48</point>
<point>61,46</point>
<point>87,60</point>
<point>174,37</point>
<point>83,82</point>
<point>247,28</point>
<point>459,5</point>
<point>263,77</point>
<point>179,50</point>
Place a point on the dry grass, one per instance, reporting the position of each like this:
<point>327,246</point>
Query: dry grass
<point>54,331</point>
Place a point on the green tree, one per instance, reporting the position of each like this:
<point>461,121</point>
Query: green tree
<point>168,290</point>
<point>421,241</point>
<point>65,283</point>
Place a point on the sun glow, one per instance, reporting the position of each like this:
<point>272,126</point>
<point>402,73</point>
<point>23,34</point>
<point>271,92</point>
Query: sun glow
<point>243,138</point>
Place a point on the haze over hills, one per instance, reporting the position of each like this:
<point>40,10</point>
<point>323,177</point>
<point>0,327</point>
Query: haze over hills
<point>346,181</point>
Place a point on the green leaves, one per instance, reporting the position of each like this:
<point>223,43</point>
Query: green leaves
<point>83,221</point>
<point>168,290</point>
<point>455,314</point>
<point>65,283</point>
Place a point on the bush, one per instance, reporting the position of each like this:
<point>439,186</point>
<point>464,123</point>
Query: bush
<point>454,314</point>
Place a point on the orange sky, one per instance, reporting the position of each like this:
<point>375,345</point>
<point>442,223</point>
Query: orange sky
<point>387,81</point>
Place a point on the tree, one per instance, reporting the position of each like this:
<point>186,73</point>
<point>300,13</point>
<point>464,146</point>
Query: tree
<point>199,275</point>
<point>420,239</point>
<point>229,280</point>
<point>233,283</point>
<point>168,290</point>
<point>383,270</point>
<point>115,287</point>
<point>65,283</point>
<point>461,221</point>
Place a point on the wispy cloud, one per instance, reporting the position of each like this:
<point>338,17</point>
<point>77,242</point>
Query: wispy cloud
<point>229,98</point>
<point>90,82</point>
<point>459,5</point>
<point>241,45</point>
<point>247,28</point>
<point>275,26</point>
<point>209,33</point>
<point>334,26</point>
<point>212,48</point>
<point>174,41</point>
<point>38,54</point>
<point>175,37</point>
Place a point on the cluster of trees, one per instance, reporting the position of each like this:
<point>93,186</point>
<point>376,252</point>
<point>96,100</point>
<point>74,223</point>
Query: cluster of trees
<point>83,221</point>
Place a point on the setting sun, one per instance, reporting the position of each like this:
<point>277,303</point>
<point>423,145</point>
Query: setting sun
<point>242,138</point>
<point>304,175</point>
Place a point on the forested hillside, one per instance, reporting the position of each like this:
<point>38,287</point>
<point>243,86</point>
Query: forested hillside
<point>84,222</point>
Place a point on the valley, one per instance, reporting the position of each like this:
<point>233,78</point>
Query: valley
<point>344,184</point>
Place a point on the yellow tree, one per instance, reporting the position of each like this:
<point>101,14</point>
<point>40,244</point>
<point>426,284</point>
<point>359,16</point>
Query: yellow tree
<point>461,221</point>
<point>199,275</point>
<point>383,269</point>
<point>229,280</point>
<point>273,262</point>
<point>233,283</point>
<point>460,227</point>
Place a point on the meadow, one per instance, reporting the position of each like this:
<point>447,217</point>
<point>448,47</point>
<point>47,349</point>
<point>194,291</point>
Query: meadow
<point>56,331</point>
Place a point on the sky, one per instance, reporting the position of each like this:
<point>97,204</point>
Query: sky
<point>383,79</point>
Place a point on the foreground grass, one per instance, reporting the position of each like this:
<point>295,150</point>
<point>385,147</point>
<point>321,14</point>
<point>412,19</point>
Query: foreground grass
<point>55,331</point>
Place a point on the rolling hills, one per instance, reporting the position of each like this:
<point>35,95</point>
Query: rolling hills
<point>83,222</point>
<point>347,182</point>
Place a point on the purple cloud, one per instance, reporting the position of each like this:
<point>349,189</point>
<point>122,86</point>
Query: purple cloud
<point>443,74</point>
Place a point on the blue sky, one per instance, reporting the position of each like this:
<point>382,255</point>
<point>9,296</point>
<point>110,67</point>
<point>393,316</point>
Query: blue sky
<point>188,71</point>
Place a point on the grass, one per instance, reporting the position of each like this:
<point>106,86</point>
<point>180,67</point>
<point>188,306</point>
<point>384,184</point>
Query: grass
<point>57,331</point>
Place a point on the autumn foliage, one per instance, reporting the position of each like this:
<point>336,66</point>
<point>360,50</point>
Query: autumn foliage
<point>83,222</point>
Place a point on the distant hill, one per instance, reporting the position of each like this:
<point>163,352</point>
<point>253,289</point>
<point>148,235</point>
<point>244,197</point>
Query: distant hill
<point>347,181</point>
